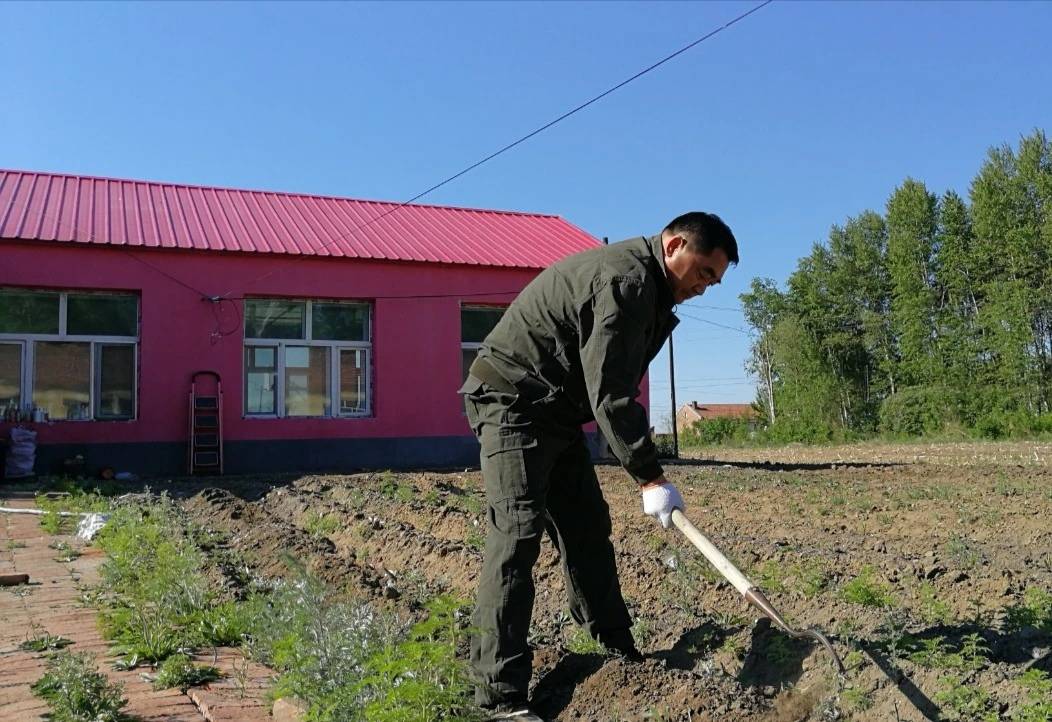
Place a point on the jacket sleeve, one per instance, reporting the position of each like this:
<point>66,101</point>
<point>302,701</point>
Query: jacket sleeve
<point>613,353</point>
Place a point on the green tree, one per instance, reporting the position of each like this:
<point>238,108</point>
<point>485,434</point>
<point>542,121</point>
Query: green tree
<point>762,305</point>
<point>911,223</point>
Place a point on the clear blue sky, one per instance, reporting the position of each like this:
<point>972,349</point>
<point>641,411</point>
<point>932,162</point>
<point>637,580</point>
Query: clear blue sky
<point>790,121</point>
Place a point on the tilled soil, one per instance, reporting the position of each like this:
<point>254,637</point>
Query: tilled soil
<point>952,542</point>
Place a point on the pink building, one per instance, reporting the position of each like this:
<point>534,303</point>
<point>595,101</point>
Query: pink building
<point>340,328</point>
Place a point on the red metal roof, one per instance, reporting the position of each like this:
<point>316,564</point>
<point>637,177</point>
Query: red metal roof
<point>142,214</point>
<point>715,411</point>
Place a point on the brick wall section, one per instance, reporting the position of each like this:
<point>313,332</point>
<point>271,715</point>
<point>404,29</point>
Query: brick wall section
<point>51,602</point>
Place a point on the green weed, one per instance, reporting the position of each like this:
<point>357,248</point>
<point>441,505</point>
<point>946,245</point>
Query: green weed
<point>44,642</point>
<point>933,610</point>
<point>811,577</point>
<point>13,544</point>
<point>963,552</point>
<point>420,677</point>
<point>179,671</point>
<point>867,591</point>
<point>475,539</point>
<point>76,692</point>
<point>966,703</point>
<point>1038,706</point>
<point>1034,611</point>
<point>855,700</point>
<point>581,642</point>
<point>321,525</point>
<point>771,576</point>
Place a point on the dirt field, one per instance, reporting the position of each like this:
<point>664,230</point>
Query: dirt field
<point>953,544</point>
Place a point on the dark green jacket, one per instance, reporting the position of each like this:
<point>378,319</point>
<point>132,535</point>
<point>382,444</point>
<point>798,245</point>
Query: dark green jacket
<point>577,341</point>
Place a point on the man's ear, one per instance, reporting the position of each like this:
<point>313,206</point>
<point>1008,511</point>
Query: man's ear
<point>675,242</point>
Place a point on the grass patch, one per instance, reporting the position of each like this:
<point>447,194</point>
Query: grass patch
<point>321,525</point>
<point>76,692</point>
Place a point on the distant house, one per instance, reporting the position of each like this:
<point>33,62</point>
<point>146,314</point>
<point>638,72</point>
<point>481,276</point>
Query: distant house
<point>691,413</point>
<point>340,328</point>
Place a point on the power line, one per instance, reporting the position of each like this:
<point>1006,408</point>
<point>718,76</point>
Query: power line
<point>712,323</point>
<point>529,135</point>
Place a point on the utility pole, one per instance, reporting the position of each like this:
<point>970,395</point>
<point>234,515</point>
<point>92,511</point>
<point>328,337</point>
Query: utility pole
<point>672,386</point>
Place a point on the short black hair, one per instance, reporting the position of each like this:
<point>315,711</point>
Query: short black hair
<point>704,232</point>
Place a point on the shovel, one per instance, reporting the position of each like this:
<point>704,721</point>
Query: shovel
<point>753,595</point>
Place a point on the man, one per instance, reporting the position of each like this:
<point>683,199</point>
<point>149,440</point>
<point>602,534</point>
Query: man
<point>573,347</point>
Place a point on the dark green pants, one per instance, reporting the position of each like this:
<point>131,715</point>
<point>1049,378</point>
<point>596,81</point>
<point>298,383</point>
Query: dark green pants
<point>539,477</point>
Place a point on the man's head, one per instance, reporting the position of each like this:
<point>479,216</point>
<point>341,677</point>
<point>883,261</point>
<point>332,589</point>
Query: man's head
<point>698,248</point>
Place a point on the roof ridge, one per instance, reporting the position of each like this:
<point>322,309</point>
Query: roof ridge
<point>291,194</point>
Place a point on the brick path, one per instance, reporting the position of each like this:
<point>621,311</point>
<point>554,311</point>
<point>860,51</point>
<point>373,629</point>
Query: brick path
<point>51,603</point>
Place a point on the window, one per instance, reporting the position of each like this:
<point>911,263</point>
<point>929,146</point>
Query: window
<point>475,324</point>
<point>307,358</point>
<point>72,354</point>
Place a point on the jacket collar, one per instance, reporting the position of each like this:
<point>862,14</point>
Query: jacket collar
<point>668,301</point>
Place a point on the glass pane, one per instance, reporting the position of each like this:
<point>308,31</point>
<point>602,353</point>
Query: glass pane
<point>272,318</point>
<point>98,315</point>
<point>28,312</point>
<point>467,355</point>
<point>477,322</point>
<point>261,373</point>
<point>10,376</point>
<point>62,379</point>
<point>307,381</point>
<point>116,382</point>
<point>353,379</point>
<point>339,321</point>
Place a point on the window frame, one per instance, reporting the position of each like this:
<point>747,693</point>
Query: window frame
<point>475,345</point>
<point>334,347</point>
<point>23,372</point>
<point>28,342</point>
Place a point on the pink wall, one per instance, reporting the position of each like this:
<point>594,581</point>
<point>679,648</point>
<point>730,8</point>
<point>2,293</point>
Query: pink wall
<point>416,342</point>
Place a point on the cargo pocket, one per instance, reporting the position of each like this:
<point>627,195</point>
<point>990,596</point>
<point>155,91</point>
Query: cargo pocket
<point>506,472</point>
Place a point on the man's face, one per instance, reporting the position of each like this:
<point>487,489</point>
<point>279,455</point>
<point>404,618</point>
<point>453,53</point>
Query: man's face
<point>691,272</point>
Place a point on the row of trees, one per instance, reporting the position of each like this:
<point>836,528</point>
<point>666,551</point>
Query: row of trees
<point>938,311</point>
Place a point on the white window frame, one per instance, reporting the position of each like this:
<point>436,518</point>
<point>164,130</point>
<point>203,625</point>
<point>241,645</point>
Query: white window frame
<point>334,347</point>
<point>29,341</point>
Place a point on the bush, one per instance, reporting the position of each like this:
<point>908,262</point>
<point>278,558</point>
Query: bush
<point>709,432</point>
<point>351,663</point>
<point>318,644</point>
<point>77,692</point>
<point>1012,424</point>
<point>420,679</point>
<point>917,410</point>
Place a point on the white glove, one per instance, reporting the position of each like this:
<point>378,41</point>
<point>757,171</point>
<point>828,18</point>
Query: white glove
<point>660,500</point>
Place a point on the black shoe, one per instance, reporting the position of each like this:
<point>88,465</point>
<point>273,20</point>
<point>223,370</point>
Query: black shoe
<point>520,714</point>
